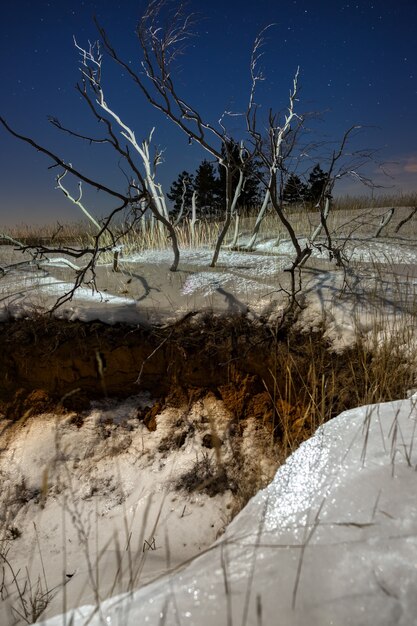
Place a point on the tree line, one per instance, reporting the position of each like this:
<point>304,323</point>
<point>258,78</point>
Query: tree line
<point>206,188</point>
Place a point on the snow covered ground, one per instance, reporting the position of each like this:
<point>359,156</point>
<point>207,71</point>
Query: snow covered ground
<point>380,280</point>
<point>332,540</point>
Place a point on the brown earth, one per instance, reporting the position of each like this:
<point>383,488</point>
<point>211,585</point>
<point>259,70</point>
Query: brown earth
<point>283,378</point>
<point>47,362</point>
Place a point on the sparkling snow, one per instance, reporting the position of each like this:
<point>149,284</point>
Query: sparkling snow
<point>332,540</point>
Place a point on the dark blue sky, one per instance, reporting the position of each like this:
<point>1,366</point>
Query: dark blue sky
<point>358,65</point>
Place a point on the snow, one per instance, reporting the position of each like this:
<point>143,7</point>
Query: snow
<point>145,291</point>
<point>32,289</point>
<point>99,490</point>
<point>355,249</point>
<point>332,540</point>
<point>382,276</point>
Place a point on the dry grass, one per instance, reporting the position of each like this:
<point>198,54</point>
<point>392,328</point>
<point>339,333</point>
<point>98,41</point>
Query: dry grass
<point>147,234</point>
<point>306,383</point>
<point>380,200</point>
<point>26,598</point>
<point>50,234</point>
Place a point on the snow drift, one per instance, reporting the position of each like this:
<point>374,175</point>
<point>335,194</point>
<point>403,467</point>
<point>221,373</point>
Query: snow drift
<point>332,540</point>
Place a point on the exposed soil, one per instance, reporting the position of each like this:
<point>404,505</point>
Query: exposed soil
<point>283,378</point>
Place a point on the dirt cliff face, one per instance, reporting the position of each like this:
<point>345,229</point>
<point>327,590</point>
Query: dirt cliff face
<point>47,363</point>
<point>59,356</point>
<point>284,378</point>
<point>69,360</point>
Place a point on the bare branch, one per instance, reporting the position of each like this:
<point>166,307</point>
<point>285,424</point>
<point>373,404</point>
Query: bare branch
<point>62,163</point>
<point>76,201</point>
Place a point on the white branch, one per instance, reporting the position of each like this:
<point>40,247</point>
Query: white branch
<point>76,201</point>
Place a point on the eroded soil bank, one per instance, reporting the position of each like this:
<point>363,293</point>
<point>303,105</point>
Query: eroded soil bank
<point>287,378</point>
<point>226,401</point>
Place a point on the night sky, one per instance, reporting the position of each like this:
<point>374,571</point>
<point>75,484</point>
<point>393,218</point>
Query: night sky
<point>358,65</point>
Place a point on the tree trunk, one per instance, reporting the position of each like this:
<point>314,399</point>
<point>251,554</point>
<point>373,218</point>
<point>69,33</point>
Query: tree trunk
<point>385,220</point>
<point>230,209</point>
<point>193,217</point>
<point>171,233</point>
<point>259,221</point>
<point>407,219</point>
<point>235,239</point>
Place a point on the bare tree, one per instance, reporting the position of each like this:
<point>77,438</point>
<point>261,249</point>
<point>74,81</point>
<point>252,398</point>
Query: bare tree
<point>161,43</point>
<point>143,191</point>
<point>185,185</point>
<point>144,185</point>
<point>385,220</point>
<point>342,162</point>
<point>276,150</point>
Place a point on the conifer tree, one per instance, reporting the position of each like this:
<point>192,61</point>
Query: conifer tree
<point>316,184</point>
<point>295,190</point>
<point>176,192</point>
<point>207,187</point>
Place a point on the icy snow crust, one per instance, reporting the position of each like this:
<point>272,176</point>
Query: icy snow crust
<point>332,540</point>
